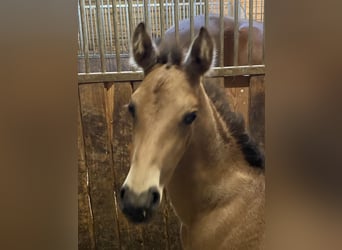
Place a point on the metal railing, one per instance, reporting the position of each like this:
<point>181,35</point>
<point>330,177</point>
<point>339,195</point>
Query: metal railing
<point>105,26</point>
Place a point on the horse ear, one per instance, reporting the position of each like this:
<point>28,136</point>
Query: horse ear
<point>144,53</point>
<point>200,55</point>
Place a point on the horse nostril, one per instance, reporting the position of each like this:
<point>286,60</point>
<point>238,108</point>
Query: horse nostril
<point>155,197</point>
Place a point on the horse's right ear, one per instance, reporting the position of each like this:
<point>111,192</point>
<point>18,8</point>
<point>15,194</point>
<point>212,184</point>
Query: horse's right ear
<point>200,55</point>
<point>144,53</point>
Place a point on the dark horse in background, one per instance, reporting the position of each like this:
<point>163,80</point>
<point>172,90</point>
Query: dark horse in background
<point>214,31</point>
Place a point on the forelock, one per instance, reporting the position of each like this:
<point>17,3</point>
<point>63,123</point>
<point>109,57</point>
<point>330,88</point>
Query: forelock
<point>170,54</point>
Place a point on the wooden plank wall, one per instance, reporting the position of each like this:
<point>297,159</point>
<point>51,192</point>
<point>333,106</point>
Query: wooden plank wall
<point>104,136</point>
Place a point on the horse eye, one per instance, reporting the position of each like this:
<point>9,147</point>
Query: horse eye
<point>189,118</point>
<point>131,109</point>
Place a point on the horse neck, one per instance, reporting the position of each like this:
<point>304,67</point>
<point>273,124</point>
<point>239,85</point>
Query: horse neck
<point>212,163</point>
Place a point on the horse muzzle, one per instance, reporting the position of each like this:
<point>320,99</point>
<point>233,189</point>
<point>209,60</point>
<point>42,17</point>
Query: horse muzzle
<point>139,208</point>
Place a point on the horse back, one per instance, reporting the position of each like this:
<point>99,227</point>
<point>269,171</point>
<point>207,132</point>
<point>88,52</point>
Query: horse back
<point>214,30</point>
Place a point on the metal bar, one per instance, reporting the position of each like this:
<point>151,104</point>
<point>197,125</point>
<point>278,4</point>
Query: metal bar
<point>137,10</point>
<point>184,14</point>
<point>95,34</point>
<point>192,19</point>
<point>162,20</point>
<point>130,21</point>
<point>86,14</point>
<point>263,40</point>
<point>85,35</point>
<point>147,24</point>
<point>79,51</point>
<point>167,13</point>
<point>176,9</point>
<point>141,11</point>
<point>173,13</point>
<point>100,36</point>
<point>230,8</point>
<point>245,9</point>
<point>250,33</point>
<point>80,31</point>
<point>92,26</point>
<point>105,27</point>
<point>221,57</point>
<point>206,13</point>
<point>236,31</point>
<point>201,7</point>
<point>149,16</point>
<point>121,25</point>
<point>129,24</point>
<point>109,27</point>
<point>138,75</point>
<point>155,14</point>
<point>116,33</point>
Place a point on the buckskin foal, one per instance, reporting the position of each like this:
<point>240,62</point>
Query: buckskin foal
<point>193,146</point>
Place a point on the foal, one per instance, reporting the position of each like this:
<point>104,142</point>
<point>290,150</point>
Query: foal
<point>194,147</point>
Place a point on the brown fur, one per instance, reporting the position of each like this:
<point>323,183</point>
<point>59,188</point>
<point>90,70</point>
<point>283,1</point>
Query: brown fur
<point>215,192</point>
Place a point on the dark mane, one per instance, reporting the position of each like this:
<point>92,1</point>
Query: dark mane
<point>169,54</point>
<point>236,125</point>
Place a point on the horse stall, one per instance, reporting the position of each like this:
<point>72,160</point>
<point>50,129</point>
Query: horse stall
<point>106,81</point>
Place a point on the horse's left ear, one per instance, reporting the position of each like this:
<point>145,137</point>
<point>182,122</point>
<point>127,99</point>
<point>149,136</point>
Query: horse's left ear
<point>143,49</point>
<point>200,55</point>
